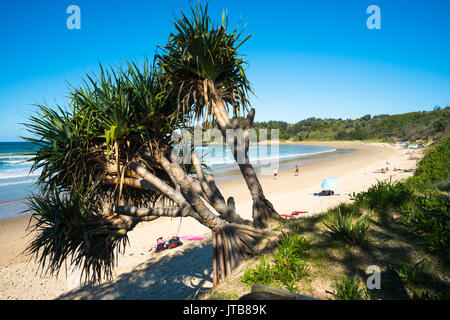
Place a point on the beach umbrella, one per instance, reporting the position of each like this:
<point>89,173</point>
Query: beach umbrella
<point>329,183</point>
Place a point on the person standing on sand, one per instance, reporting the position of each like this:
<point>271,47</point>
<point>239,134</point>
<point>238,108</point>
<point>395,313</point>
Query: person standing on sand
<point>296,170</point>
<point>275,173</point>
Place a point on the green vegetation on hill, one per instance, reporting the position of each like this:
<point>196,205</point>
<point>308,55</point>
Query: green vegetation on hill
<point>434,168</point>
<point>401,127</point>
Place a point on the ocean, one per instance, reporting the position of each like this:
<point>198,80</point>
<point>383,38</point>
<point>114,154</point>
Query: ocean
<point>17,183</point>
<point>263,157</point>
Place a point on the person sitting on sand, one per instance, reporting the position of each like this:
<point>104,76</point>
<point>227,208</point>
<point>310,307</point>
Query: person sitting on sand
<point>174,242</point>
<point>325,193</point>
<point>160,245</point>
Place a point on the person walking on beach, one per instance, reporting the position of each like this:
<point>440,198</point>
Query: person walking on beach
<point>296,170</point>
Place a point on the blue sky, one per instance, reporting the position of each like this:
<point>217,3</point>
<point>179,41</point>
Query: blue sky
<point>306,59</point>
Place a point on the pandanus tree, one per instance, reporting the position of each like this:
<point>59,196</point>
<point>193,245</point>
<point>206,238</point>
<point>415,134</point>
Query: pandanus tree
<point>108,162</point>
<point>202,64</point>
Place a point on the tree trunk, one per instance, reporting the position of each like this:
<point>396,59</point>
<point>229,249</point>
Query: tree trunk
<point>229,245</point>
<point>215,261</point>
<point>262,209</point>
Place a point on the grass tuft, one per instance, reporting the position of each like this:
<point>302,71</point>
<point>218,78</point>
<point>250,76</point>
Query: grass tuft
<point>286,267</point>
<point>383,195</point>
<point>348,228</point>
<point>350,289</point>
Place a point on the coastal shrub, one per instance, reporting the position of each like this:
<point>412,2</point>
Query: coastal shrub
<point>350,289</point>
<point>434,166</point>
<point>383,195</point>
<point>348,228</point>
<point>429,216</point>
<point>289,260</point>
<point>293,244</point>
<point>261,273</point>
<point>286,267</point>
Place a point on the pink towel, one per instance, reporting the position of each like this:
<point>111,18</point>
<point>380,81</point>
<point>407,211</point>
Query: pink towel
<point>192,237</point>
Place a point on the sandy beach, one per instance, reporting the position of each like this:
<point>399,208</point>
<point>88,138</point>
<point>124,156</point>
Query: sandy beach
<point>182,273</point>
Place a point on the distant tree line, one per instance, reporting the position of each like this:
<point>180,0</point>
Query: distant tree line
<point>410,126</point>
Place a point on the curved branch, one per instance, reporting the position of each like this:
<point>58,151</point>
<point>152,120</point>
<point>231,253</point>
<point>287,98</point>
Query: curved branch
<point>248,125</point>
<point>174,195</point>
<point>134,183</point>
<point>172,211</point>
<point>197,188</point>
<point>209,219</point>
<point>162,187</point>
<point>124,222</point>
<point>249,119</point>
<point>166,165</point>
<point>214,195</point>
<point>231,215</point>
<point>217,201</point>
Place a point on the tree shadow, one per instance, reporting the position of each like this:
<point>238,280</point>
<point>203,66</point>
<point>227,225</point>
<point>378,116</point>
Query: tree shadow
<point>175,276</point>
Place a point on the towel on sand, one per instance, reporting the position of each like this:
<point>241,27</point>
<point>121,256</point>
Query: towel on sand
<point>190,237</point>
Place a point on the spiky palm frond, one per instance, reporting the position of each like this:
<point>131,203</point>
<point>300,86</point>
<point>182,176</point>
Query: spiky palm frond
<point>66,232</point>
<point>62,150</point>
<point>123,115</point>
<point>201,51</point>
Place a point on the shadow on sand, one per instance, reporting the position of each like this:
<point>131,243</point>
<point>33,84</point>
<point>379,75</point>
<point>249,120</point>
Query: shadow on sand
<point>178,275</point>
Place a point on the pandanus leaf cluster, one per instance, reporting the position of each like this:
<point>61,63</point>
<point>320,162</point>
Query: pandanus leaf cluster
<point>123,114</point>
<point>201,51</point>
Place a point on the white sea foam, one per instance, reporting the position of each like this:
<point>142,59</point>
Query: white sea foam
<point>12,183</point>
<point>18,173</point>
<point>228,159</point>
<point>14,161</point>
<point>15,156</point>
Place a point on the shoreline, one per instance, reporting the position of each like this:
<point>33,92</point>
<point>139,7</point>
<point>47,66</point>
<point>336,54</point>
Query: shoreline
<point>191,264</point>
<point>234,173</point>
<point>364,154</point>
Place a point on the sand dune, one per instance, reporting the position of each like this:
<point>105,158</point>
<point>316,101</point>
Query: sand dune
<point>183,272</point>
